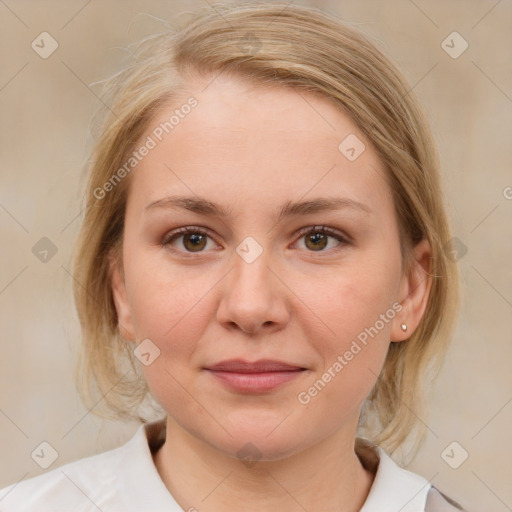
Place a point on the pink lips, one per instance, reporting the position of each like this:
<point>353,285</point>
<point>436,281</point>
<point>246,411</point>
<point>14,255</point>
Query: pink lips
<point>257,377</point>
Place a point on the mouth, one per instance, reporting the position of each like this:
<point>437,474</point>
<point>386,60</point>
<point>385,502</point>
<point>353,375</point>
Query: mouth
<point>255,377</point>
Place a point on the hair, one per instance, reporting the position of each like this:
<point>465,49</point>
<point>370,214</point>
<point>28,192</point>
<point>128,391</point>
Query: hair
<point>271,45</point>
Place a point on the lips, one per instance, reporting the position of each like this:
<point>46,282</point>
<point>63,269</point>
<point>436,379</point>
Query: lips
<point>263,366</point>
<point>254,377</point>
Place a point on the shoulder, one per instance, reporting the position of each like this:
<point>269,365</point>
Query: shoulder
<point>395,488</point>
<point>438,502</point>
<point>83,484</point>
<point>120,480</point>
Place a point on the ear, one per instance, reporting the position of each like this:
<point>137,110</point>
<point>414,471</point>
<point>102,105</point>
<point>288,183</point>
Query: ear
<point>414,292</point>
<point>124,314</point>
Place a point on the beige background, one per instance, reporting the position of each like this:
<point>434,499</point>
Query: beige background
<point>46,106</point>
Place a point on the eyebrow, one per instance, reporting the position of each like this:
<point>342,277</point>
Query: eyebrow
<point>203,206</point>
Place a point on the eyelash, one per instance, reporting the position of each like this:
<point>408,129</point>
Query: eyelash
<point>197,230</point>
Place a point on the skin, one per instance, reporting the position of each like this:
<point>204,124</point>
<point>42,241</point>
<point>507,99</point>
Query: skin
<point>251,149</point>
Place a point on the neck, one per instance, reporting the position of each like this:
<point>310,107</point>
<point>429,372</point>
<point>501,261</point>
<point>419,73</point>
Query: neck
<point>327,476</point>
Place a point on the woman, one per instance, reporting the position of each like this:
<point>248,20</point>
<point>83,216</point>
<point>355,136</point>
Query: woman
<point>265,252</point>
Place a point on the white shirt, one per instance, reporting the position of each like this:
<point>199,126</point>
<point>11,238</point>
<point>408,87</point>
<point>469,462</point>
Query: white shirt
<point>126,480</point>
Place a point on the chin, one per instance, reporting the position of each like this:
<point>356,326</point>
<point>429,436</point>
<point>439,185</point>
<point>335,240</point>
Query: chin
<point>260,449</point>
<point>264,437</point>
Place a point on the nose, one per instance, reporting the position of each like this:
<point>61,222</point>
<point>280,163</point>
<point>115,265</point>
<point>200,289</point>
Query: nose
<point>253,298</point>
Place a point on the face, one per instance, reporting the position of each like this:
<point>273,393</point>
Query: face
<point>250,236</point>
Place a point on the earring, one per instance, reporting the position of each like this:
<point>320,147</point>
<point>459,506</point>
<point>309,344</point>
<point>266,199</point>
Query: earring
<point>404,327</point>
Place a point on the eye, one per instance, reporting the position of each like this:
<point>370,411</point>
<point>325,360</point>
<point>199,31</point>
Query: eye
<point>316,238</point>
<point>193,239</point>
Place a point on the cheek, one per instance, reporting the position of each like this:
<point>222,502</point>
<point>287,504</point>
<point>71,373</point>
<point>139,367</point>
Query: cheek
<point>337,395</point>
<point>355,309</point>
<point>348,300</point>
<point>160,295</point>
<point>353,349</point>
<point>169,305</point>
<point>172,310</point>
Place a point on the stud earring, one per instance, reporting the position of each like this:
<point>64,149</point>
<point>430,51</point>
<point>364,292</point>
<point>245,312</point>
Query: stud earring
<point>404,327</point>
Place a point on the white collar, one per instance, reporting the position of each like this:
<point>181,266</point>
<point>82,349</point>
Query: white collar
<point>140,480</point>
<point>394,489</point>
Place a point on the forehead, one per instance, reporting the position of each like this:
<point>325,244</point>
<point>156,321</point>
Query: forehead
<point>267,142</point>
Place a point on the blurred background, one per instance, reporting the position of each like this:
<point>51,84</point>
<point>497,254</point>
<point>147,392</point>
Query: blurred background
<point>457,56</point>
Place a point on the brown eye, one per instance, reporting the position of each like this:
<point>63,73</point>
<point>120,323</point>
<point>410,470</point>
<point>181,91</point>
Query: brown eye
<point>189,240</point>
<point>322,239</point>
<point>194,242</point>
<point>316,241</point>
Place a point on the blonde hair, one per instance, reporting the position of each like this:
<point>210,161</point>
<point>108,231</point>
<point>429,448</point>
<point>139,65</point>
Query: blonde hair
<point>292,46</point>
